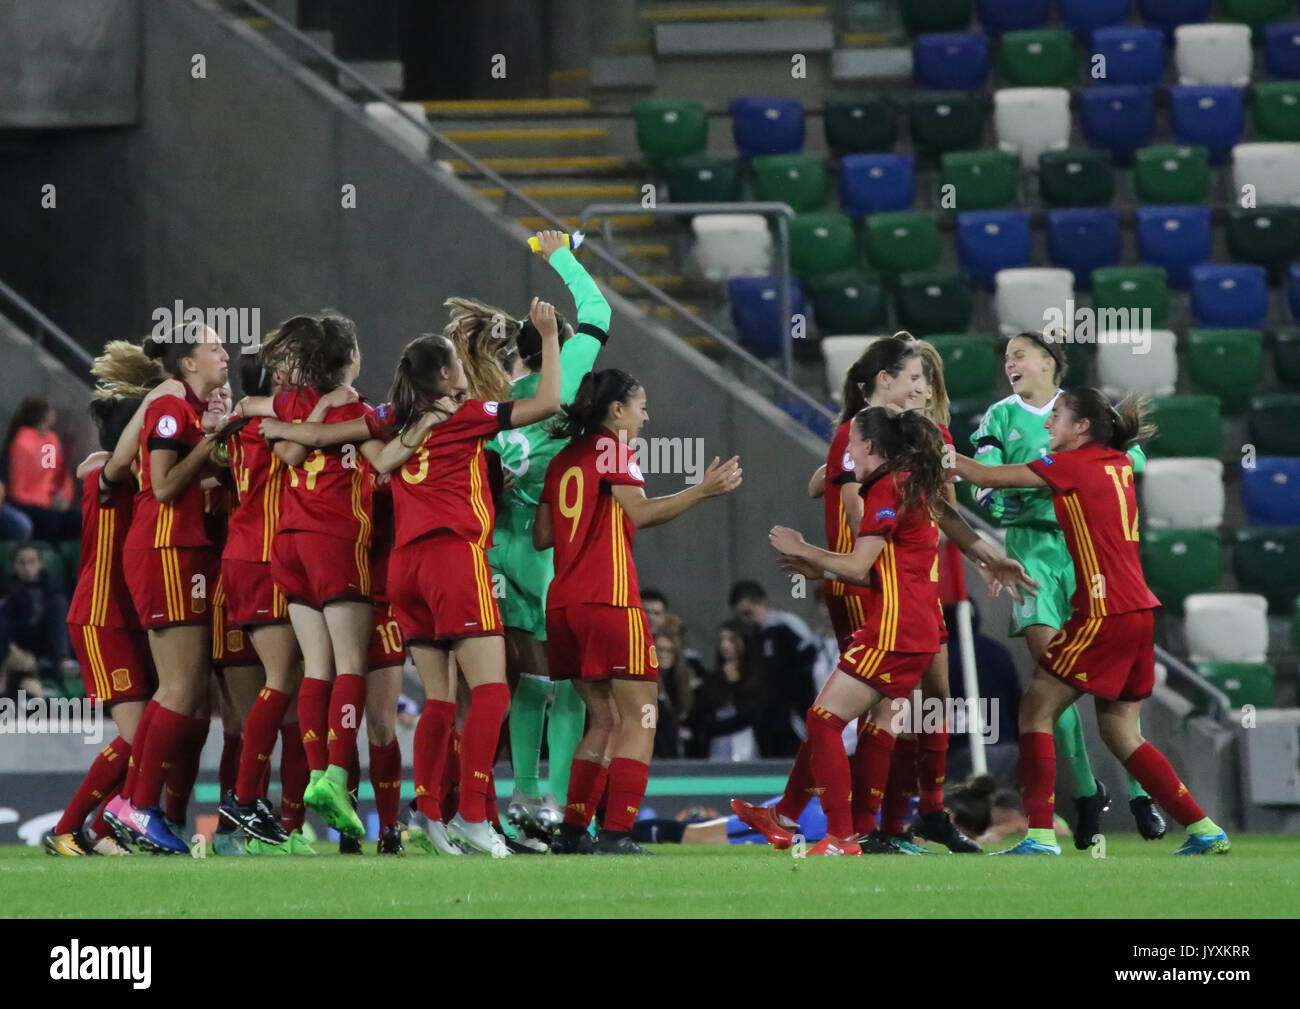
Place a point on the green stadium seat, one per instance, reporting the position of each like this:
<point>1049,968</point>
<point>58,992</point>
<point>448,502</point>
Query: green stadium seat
<point>1037,59</point>
<point>1269,236</point>
<point>1132,288</point>
<point>821,243</point>
<point>966,417</point>
<point>946,121</point>
<point>970,363</point>
<point>1243,682</point>
<point>1266,560</point>
<point>670,128</point>
<point>702,180</point>
<point>934,301</point>
<point>1172,174</point>
<point>1275,424</point>
<point>1078,177</point>
<point>797,179</point>
<point>1276,108</point>
<point>1295,626</point>
<point>1228,363</point>
<point>856,124</point>
<point>1256,13</point>
<point>1286,356</point>
<point>1078,360</point>
<point>902,243</point>
<point>981,180</point>
<point>848,302</point>
<point>923,16</point>
<point>1186,426</point>
<point>1178,562</point>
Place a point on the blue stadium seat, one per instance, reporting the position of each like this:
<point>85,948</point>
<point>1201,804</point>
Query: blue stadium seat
<point>872,183</point>
<point>1082,240</point>
<point>1213,115</point>
<point>998,16</point>
<point>992,240</point>
<point>1176,238</point>
<point>1282,50</point>
<point>951,61</point>
<point>1293,289</point>
<point>1118,117</point>
<point>1133,55</point>
<point>766,126</point>
<point>1229,295</point>
<point>810,418</point>
<point>1169,14</point>
<point>1084,15</point>
<point>1270,491</point>
<point>756,313</point>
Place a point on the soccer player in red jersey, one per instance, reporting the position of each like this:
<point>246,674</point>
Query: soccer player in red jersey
<point>597,635</point>
<point>1107,647</point>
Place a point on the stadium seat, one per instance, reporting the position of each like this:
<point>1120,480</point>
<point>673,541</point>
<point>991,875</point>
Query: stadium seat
<point>998,16</point>
<point>821,243</point>
<point>902,243</point>
<point>1293,290</point>
<point>1183,493</point>
<point>952,61</point>
<point>1037,59</point>
<point>1213,54</point>
<point>1133,288</point>
<point>965,421</point>
<point>1244,682</point>
<point>1225,627</point>
<point>1178,562</point>
<point>1082,240</point>
<point>804,412</point>
<point>731,245</point>
<point>1121,370</point>
<point>1229,294</point>
<point>1030,121</point>
<point>839,353</point>
<point>702,180</point>
<point>1024,297</point>
<point>1172,175</point>
<point>1270,490</point>
<point>1228,363</point>
<point>847,302</point>
<point>1083,16</point>
<point>874,183</point>
<point>970,363</point>
<point>766,126</point>
<point>669,128</point>
<point>1077,177</point>
<point>1269,236</point>
<point>1256,13</point>
<point>1275,423</point>
<point>1175,238</point>
<point>980,180</point>
<point>933,301</point>
<point>1133,55</point>
<point>942,121</point>
<point>1286,356</point>
<point>1169,14</point>
<point>858,123</point>
<point>1267,561</point>
<point>920,16</point>
<point>756,313</point>
<point>1275,108</point>
<point>1282,50</point>
<point>1211,115</point>
<point>1295,626</point>
<point>992,240</point>
<point>1120,118</point>
<point>1272,168</point>
<point>797,179</point>
<point>1189,426</point>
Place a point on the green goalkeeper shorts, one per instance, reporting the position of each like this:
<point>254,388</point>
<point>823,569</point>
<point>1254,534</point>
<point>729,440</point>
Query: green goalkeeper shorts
<point>1047,561</point>
<point>524,573</point>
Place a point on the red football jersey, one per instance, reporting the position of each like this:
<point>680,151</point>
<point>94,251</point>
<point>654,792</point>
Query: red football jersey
<point>593,535</point>
<point>381,540</point>
<point>1096,504</point>
<point>101,598</point>
<point>258,476</point>
<point>839,536</point>
<point>444,485</point>
<point>905,577</point>
<point>174,424</point>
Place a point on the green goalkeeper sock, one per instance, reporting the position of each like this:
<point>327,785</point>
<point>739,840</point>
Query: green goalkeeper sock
<point>1136,791</point>
<point>563,734</point>
<point>1043,835</point>
<point>1205,827</point>
<point>527,717</point>
<point>1070,744</point>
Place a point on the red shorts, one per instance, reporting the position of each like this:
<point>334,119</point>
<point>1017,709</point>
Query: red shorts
<point>315,569</point>
<point>848,612</point>
<point>251,596</point>
<point>593,641</point>
<point>1112,657</point>
<point>231,645</point>
<point>116,664</point>
<point>894,674</point>
<point>440,587</point>
<point>386,645</point>
<point>171,585</point>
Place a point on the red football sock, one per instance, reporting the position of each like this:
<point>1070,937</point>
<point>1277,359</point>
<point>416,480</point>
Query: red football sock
<point>488,705</point>
<point>586,786</point>
<point>870,770</point>
<point>386,777</point>
<point>185,769</point>
<point>264,780</point>
<point>347,703</point>
<point>228,771</point>
<point>137,749</point>
<point>313,718</point>
<point>1038,778</point>
<point>900,786</point>
<point>1157,776</point>
<point>100,827</point>
<point>830,769</point>
<point>449,784</point>
<point>433,734</point>
<point>794,800</point>
<point>166,733</point>
<point>293,776</point>
<point>260,730</point>
<point>932,766</point>
<point>105,775</point>
<point>626,788</point>
<point>490,802</point>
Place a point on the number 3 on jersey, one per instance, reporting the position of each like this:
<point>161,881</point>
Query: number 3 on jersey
<point>571,510</point>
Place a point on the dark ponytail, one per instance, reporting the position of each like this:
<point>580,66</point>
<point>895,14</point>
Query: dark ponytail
<point>315,350</point>
<point>597,392</point>
<point>111,416</point>
<point>417,382</point>
<point>173,347</point>
<point>910,444</point>
<point>528,344</point>
<point>254,377</point>
<point>1119,427</point>
<point>889,354</point>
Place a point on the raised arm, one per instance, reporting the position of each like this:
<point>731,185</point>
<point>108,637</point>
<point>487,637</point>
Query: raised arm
<point>719,478</point>
<point>546,400</point>
<point>578,355</point>
<point>1015,475</point>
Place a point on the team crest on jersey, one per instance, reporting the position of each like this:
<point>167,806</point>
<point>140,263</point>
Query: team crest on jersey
<point>1014,435</point>
<point>383,411</point>
<point>198,604</point>
<point>167,426</point>
<point>846,463</point>
<point>634,471</point>
<point>1047,460</point>
<point>490,409</point>
<point>234,641</point>
<point>121,679</point>
<point>886,513</point>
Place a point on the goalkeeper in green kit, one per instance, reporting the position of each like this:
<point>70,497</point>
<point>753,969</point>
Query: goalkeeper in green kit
<point>1013,431</point>
<point>524,573</point>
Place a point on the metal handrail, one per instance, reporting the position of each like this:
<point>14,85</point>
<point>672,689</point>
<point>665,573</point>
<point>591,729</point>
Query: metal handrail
<point>74,357</point>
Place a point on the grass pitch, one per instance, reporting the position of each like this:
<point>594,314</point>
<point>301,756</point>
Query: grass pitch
<point>1260,878</point>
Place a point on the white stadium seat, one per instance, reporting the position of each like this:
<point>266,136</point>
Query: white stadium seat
<point>399,127</point>
<point>1026,294</point>
<point>1213,54</point>
<point>1121,369</point>
<point>1273,169</point>
<point>839,353</point>
<point>731,245</point>
<point>1225,627</point>
<point>1183,493</point>
<point>1029,121</point>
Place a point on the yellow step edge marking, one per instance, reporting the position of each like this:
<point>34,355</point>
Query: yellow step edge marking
<point>564,192</point>
<point>726,13</point>
<point>572,74</point>
<point>648,251</point>
<point>664,312</point>
<point>257,23</point>
<point>576,164</point>
<point>626,221</point>
<point>663,281</point>
<point>632,46</point>
<point>523,133</point>
<point>864,38</point>
<point>455,106</point>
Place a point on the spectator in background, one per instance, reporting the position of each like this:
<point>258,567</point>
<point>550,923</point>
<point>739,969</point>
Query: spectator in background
<point>14,525</point>
<point>999,687</point>
<point>17,668</point>
<point>679,676</point>
<point>655,606</point>
<point>36,478</point>
<point>37,608</point>
<point>785,649</point>
<point>726,705</point>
